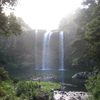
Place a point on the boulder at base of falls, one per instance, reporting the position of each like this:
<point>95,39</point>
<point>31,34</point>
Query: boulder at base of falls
<point>84,75</point>
<point>80,75</point>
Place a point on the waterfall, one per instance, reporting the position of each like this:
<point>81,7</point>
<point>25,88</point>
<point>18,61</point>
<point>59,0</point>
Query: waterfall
<point>44,56</point>
<point>46,51</point>
<point>61,51</point>
<point>36,53</point>
<point>48,62</point>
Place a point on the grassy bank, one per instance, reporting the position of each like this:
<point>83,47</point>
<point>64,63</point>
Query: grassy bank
<point>27,90</point>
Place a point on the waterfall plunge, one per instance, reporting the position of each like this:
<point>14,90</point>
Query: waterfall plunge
<point>61,51</point>
<point>46,51</point>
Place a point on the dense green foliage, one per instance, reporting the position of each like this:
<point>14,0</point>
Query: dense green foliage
<point>25,90</point>
<point>9,25</point>
<point>93,86</point>
<point>10,2</point>
<point>3,74</point>
<point>36,90</point>
<point>86,44</point>
<point>92,37</point>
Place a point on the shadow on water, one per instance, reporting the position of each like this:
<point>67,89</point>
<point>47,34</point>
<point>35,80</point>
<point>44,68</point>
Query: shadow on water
<point>64,77</point>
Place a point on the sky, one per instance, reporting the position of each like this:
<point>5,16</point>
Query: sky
<point>45,14</point>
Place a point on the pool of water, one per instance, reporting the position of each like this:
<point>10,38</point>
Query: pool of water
<point>58,76</point>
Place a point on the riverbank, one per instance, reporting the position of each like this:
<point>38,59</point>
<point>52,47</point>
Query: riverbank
<point>27,90</point>
<point>71,95</point>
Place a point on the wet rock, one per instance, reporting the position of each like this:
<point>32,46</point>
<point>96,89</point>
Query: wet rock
<point>81,75</point>
<point>93,73</point>
<point>71,95</point>
<point>84,75</point>
<point>66,84</point>
<point>72,98</point>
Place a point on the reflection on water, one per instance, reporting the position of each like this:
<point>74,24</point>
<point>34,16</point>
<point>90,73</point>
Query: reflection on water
<point>62,77</point>
<point>50,76</point>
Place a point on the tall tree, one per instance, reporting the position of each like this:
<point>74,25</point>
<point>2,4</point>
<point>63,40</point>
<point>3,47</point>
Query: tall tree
<point>10,2</point>
<point>8,26</point>
<point>92,37</point>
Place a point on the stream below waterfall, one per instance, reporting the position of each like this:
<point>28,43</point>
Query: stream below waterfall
<point>63,77</point>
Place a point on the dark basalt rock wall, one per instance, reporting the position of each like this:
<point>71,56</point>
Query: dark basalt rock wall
<point>32,48</point>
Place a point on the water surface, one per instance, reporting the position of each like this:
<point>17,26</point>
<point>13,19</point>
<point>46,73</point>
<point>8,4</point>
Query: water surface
<point>58,76</point>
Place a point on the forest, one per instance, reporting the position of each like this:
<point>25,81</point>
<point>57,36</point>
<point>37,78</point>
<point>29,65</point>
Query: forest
<point>17,51</point>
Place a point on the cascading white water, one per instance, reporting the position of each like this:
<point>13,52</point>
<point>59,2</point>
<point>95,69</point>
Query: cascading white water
<point>36,54</point>
<point>48,62</point>
<point>44,56</point>
<point>46,51</point>
<point>61,51</point>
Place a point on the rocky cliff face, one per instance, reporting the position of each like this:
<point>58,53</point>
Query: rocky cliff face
<point>36,48</point>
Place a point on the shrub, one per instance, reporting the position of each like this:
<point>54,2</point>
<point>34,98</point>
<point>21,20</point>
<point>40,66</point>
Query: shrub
<point>26,87</point>
<point>12,65</point>
<point>2,93</point>
<point>32,91</point>
<point>15,80</point>
<point>40,94</point>
<point>26,64</point>
<point>3,74</point>
<point>93,86</point>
